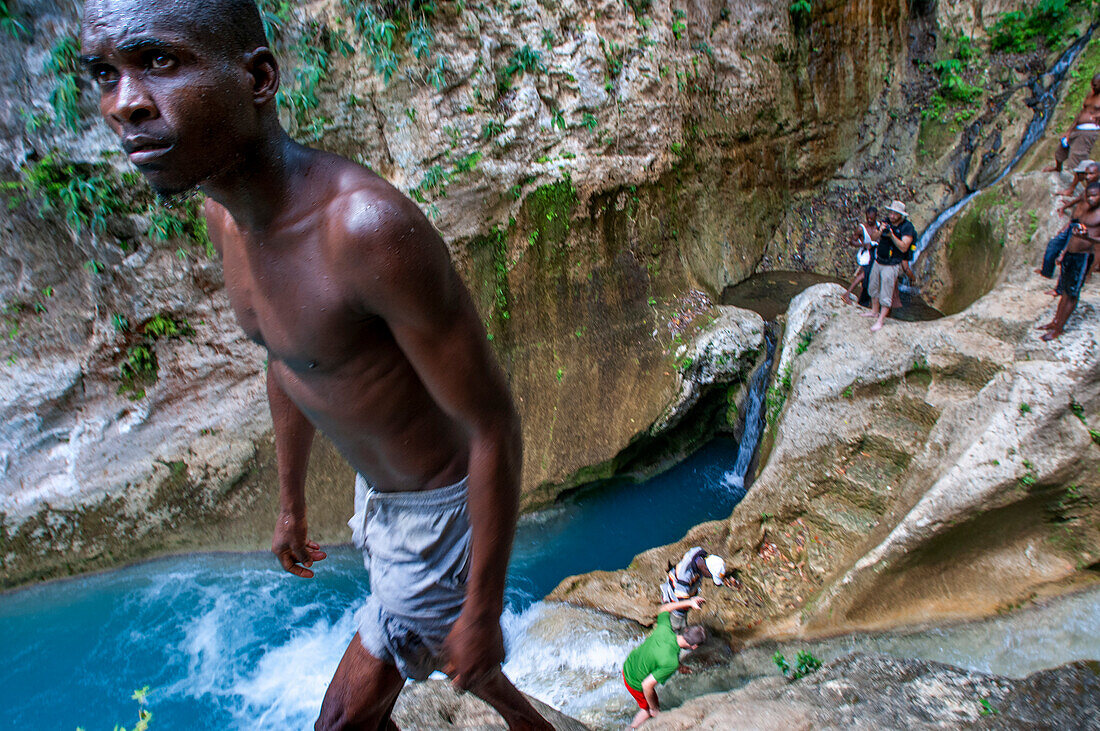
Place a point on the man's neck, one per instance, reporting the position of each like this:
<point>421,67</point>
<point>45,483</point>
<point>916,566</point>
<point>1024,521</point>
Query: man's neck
<point>260,187</point>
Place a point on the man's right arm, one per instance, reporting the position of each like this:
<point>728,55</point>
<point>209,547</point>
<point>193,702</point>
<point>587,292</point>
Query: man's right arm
<point>293,440</point>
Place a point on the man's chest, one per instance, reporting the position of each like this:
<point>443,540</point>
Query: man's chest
<point>294,304</point>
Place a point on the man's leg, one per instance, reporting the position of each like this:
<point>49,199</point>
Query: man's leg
<point>1060,155</point>
<point>517,711</point>
<point>639,718</point>
<point>1066,306</point>
<point>362,692</point>
<point>1050,256</point>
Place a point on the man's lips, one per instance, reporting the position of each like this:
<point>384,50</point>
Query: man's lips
<point>145,149</point>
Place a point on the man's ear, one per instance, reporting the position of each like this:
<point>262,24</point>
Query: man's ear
<point>264,69</point>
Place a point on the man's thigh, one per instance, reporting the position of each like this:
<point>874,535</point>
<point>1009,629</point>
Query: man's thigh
<point>362,691</point>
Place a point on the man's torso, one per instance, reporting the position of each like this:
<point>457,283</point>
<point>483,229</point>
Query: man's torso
<point>336,361</point>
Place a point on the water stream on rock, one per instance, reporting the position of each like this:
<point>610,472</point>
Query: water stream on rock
<point>1045,88</point>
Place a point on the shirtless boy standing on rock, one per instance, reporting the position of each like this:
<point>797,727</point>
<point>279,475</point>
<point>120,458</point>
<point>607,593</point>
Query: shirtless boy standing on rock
<point>371,337</point>
<point>1076,260</point>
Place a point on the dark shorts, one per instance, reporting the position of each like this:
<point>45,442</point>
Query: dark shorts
<point>1074,268</point>
<point>638,695</point>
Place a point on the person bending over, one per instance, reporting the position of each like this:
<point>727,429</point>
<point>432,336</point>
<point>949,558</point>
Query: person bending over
<point>370,334</point>
<point>865,241</point>
<point>683,580</point>
<point>654,661</point>
<point>892,250</point>
<point>1076,262</point>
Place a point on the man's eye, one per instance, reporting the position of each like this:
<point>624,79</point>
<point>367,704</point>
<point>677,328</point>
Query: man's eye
<point>159,61</point>
<point>104,75</point>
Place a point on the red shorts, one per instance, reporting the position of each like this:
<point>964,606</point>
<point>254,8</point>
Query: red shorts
<point>638,695</point>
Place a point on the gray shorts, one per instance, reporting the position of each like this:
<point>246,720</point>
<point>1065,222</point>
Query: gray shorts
<point>678,617</point>
<point>883,279</point>
<point>416,547</point>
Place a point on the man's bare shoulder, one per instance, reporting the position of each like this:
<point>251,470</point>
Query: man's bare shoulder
<point>365,210</point>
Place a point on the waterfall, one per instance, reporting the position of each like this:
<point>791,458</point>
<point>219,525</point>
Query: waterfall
<point>753,424</point>
<point>1046,97</point>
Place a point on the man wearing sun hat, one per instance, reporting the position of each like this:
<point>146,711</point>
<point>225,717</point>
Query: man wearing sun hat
<point>684,578</point>
<point>893,249</point>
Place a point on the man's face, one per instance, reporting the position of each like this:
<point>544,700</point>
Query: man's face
<point>182,110</point>
<point>894,216</point>
<point>870,217</point>
<point>1092,174</point>
<point>1092,197</point>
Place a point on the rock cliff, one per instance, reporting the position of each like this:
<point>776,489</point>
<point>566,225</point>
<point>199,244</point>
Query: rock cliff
<point>599,171</point>
<point>932,470</point>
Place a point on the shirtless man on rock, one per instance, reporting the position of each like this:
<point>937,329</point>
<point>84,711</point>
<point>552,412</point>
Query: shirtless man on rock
<point>1076,145</point>
<point>371,338</point>
<point>1076,260</point>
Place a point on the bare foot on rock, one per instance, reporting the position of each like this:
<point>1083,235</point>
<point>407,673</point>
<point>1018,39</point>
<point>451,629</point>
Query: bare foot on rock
<point>876,327</point>
<point>1051,335</point>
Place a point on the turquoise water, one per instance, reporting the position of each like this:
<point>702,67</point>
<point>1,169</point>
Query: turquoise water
<point>229,641</point>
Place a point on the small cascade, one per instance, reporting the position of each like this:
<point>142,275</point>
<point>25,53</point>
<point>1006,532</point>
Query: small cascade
<point>754,423</point>
<point>1045,88</point>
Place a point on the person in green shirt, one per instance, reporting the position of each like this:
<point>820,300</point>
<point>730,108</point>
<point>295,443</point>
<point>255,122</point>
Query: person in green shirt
<point>655,660</point>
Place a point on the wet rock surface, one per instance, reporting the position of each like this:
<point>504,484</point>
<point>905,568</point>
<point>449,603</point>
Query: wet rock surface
<point>932,470</point>
<point>433,705</point>
<point>878,691</point>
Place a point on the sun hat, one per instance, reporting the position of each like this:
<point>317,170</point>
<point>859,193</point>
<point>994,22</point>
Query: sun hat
<point>717,568</point>
<point>1083,166</point>
<point>898,207</point>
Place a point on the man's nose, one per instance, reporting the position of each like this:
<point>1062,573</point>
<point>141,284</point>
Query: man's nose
<point>132,103</point>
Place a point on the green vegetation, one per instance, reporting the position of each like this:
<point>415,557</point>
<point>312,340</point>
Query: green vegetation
<point>389,29</point>
<point>804,342</point>
<point>144,716</point>
<point>523,60</point>
<point>1025,409</point>
<point>86,195</point>
<point>804,664</point>
<point>8,22</point>
<point>776,396</point>
<point>496,241</point>
<point>1048,22</point>
<point>551,209</point>
<point>800,11</point>
<point>139,370</point>
<point>182,221</point>
<point>986,710</point>
<point>64,64</point>
<point>1030,476</point>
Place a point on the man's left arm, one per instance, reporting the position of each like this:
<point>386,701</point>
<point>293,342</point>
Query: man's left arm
<point>415,289</point>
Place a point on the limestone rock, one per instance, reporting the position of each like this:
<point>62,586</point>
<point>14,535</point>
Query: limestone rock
<point>932,470</point>
<point>433,705</point>
<point>877,691</point>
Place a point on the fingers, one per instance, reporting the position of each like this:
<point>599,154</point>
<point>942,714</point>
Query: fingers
<point>289,562</point>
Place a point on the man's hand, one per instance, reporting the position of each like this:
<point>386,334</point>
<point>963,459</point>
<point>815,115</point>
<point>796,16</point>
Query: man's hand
<point>697,602</point>
<point>473,650</point>
<point>289,544</point>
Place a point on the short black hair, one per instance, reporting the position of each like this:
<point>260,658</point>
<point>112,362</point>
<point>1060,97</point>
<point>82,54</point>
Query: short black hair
<point>232,26</point>
<point>694,635</point>
<point>871,209</point>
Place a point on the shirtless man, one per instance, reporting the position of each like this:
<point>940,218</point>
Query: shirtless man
<point>1077,143</point>
<point>371,337</point>
<point>866,240</point>
<point>1057,244</point>
<point>1076,261</point>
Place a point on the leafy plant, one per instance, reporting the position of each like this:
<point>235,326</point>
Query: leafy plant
<point>1025,409</point>
<point>805,663</point>
<point>804,342</point>
<point>9,24</point>
<point>523,60</point>
<point>492,128</point>
<point>986,708</point>
<point>86,195</point>
<point>800,11</point>
<point>1048,21</point>
<point>64,64</point>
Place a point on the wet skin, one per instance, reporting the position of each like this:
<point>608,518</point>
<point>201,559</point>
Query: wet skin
<point>1085,238</point>
<point>370,333</point>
